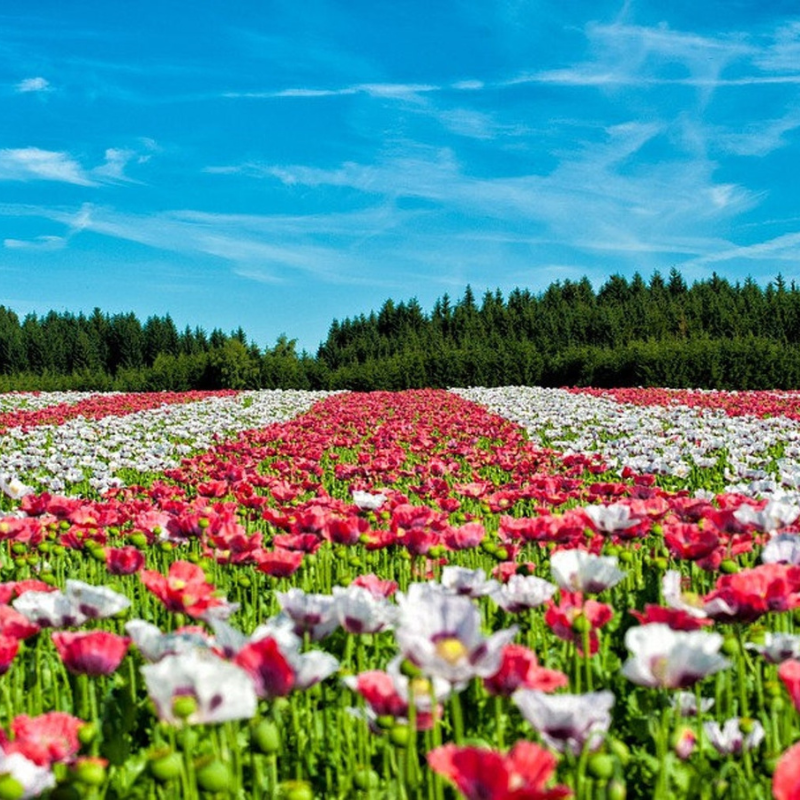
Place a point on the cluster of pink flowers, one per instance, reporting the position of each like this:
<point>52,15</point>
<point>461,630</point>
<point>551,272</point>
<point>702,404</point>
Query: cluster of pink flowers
<point>97,406</point>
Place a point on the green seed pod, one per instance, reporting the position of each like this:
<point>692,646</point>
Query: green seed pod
<point>660,563</point>
<point>267,737</point>
<point>214,776</point>
<point>10,788</point>
<point>297,790</point>
<point>166,767</point>
<point>400,735</point>
<point>184,706</point>
<point>626,557</point>
<point>366,779</point>
<point>616,791</point>
<point>620,750</point>
<point>728,566</point>
<point>581,624</point>
<point>138,539</point>
<point>730,647</point>
<point>91,771</point>
<point>87,733</point>
<point>385,722</point>
<point>601,766</point>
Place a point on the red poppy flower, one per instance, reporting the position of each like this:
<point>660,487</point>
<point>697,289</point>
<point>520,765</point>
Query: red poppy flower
<point>9,647</point>
<point>482,774</point>
<point>184,589</point>
<point>789,673</point>
<point>279,563</point>
<point>520,669</point>
<point>16,625</point>
<point>676,618</point>
<point>263,660</point>
<point>747,595</point>
<point>124,560</point>
<point>45,739</point>
<point>90,652</point>
<point>786,777</point>
<point>568,618</point>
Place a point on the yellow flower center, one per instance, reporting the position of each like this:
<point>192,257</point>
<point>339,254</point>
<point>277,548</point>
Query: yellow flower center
<point>451,649</point>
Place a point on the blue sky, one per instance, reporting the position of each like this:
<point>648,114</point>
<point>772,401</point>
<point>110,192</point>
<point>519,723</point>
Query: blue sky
<point>276,165</point>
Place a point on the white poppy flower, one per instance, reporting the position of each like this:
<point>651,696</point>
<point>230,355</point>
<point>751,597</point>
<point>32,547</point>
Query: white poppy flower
<point>581,571</point>
<point>221,691</point>
<point>567,721</point>
<point>662,657</point>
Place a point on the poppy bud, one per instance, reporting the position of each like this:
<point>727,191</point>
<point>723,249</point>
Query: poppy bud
<point>213,776</point>
<point>399,735</point>
<point>10,788</point>
<point>267,737</point>
<point>166,767</point>
<point>184,706</point>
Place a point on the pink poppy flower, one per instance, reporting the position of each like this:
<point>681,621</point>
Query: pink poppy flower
<point>786,777</point>
<point>789,673</point>
<point>520,669</point>
<point>9,647</point>
<point>45,739</point>
<point>124,560</point>
<point>483,774</point>
<point>184,589</point>
<point>264,662</point>
<point>91,652</point>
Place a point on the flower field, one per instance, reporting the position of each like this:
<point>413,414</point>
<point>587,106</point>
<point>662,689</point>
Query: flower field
<point>500,594</point>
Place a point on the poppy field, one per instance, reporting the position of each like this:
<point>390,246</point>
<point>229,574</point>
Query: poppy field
<point>496,594</point>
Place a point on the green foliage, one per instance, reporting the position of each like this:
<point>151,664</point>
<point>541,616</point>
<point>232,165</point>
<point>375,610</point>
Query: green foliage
<point>630,332</point>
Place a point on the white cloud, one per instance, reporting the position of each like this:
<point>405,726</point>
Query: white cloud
<point>114,167</point>
<point>38,84</point>
<point>39,243</point>
<point>32,163</point>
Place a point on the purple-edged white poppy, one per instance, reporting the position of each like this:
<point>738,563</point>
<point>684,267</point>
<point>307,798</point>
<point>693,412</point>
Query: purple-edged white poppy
<point>95,602</point>
<point>441,634</point>
<point>360,611</point>
<point>686,703</point>
<point>784,548</point>
<point>523,592</point>
<point>581,571</point>
<point>777,647</point>
<point>676,598</point>
<point>368,502</point>
<point>468,582</point>
<point>49,609</point>
<point>611,518</point>
<point>730,739</point>
<point>567,721</point>
<point>154,644</point>
<point>669,659</point>
<point>221,691</point>
<point>314,614</point>
<point>774,515</point>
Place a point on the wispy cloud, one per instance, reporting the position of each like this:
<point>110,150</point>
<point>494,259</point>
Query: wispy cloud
<point>37,84</point>
<point>32,163</point>
<point>39,243</point>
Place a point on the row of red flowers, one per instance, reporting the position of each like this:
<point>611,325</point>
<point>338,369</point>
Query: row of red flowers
<point>97,406</point>
<point>734,404</point>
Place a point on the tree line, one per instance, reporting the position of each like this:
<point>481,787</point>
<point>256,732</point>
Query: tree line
<point>630,332</point>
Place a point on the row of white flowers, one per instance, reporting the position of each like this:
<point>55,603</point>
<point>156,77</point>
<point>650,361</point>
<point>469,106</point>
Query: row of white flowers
<point>61,458</point>
<point>33,401</point>
<point>761,456</point>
